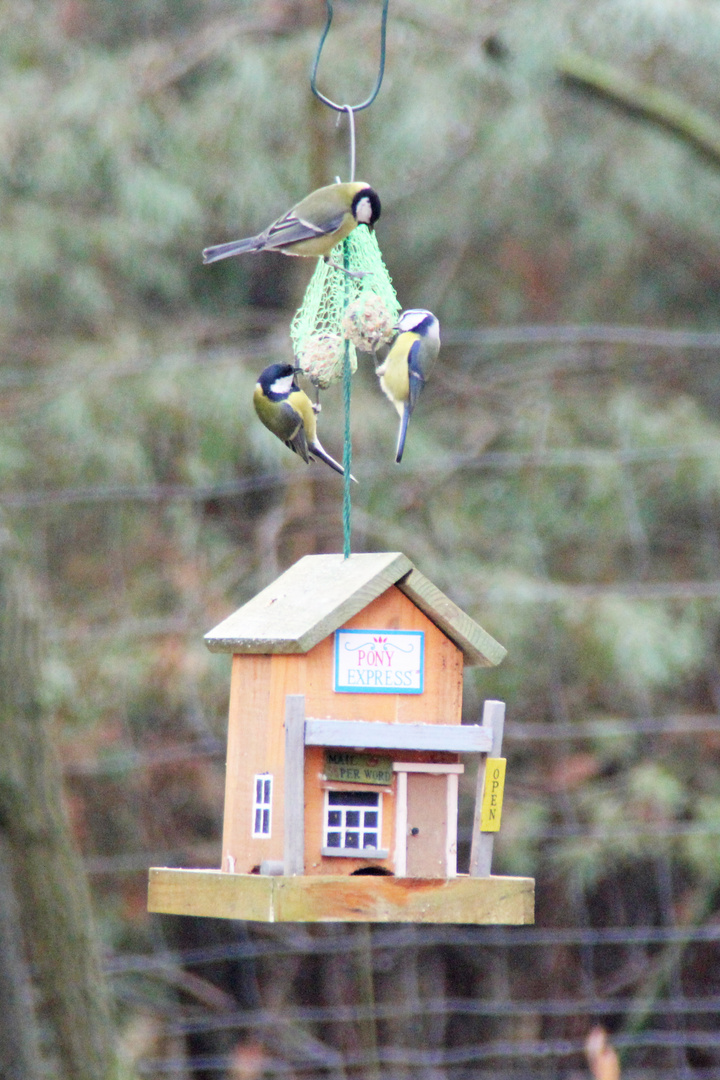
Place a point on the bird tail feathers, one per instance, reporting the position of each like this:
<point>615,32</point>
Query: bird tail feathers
<point>402,433</point>
<point>224,251</point>
<point>319,451</point>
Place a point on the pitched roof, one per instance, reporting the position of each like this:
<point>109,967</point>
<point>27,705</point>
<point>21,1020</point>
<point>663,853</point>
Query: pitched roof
<point>319,593</point>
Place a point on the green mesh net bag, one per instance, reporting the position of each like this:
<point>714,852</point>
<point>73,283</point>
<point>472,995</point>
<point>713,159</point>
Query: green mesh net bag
<point>337,308</point>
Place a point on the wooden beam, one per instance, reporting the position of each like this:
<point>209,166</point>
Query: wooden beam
<point>294,848</point>
<point>401,825</point>
<point>456,738</point>
<point>481,848</point>
<point>451,816</point>
<point>213,893</point>
<point>428,767</point>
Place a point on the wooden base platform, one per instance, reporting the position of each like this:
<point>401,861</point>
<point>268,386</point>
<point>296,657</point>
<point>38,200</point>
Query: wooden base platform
<point>463,899</point>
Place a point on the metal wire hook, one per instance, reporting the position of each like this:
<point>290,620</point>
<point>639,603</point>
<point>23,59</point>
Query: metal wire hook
<point>350,109</point>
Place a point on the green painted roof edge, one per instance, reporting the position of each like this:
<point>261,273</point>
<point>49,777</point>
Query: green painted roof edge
<point>386,575</point>
<point>478,647</point>
<point>393,568</point>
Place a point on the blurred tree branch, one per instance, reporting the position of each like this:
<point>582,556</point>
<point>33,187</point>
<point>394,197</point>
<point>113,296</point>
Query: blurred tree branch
<point>163,63</point>
<point>660,107</point>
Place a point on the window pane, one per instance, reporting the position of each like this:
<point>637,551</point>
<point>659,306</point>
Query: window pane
<point>266,822</point>
<point>258,790</point>
<point>266,792</point>
<point>258,821</point>
<point>353,820</point>
<point>353,798</point>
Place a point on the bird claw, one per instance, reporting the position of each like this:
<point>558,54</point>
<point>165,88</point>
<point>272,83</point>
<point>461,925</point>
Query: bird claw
<point>344,270</point>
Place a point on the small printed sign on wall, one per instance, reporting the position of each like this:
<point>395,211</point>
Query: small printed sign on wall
<point>492,800</point>
<point>379,661</point>
<point>358,768</point>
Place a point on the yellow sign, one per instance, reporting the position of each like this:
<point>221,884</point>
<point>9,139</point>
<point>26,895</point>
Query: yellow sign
<point>493,794</point>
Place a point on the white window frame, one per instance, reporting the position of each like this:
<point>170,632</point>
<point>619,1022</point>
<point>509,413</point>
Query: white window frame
<point>350,852</point>
<point>262,806</point>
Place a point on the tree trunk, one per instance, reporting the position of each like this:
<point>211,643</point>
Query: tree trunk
<point>51,887</point>
<point>19,1051</point>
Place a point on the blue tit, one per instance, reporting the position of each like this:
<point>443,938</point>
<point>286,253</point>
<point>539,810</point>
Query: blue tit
<point>405,369</point>
<point>287,411</point>
<point>313,226</point>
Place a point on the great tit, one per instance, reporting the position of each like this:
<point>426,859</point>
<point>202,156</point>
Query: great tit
<point>287,411</point>
<point>313,226</point>
<point>405,369</point>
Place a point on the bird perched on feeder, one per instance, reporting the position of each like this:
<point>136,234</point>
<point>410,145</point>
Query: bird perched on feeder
<point>287,411</point>
<point>313,226</point>
<point>405,369</point>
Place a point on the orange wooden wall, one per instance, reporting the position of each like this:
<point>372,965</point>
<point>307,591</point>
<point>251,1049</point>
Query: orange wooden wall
<point>256,734</point>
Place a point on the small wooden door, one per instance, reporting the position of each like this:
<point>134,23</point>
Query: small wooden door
<point>427,825</point>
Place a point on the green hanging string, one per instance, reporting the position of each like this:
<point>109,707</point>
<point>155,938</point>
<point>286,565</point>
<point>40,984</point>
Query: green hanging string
<point>317,333</point>
<point>347,443</point>
<point>339,314</point>
<point>347,452</point>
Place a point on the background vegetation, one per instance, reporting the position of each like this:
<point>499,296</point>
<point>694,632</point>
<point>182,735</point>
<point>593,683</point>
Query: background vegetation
<point>561,483</point>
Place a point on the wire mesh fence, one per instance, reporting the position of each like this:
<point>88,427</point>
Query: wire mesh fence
<point>578,507</point>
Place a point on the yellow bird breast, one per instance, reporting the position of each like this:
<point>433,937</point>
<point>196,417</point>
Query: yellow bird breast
<point>301,404</point>
<point>394,377</point>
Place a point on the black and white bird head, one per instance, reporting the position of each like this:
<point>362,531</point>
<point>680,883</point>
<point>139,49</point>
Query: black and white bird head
<point>419,321</point>
<point>366,207</point>
<point>278,380</point>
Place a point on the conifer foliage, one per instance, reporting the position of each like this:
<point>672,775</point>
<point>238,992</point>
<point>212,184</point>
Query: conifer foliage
<point>561,481</point>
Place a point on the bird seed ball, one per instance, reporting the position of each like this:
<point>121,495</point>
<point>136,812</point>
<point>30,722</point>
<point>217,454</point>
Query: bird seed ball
<point>367,323</point>
<point>322,359</point>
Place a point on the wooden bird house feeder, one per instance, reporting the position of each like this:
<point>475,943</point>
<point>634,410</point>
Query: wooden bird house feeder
<point>345,748</point>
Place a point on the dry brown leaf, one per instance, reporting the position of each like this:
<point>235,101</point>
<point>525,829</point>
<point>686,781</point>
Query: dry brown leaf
<point>601,1056</point>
